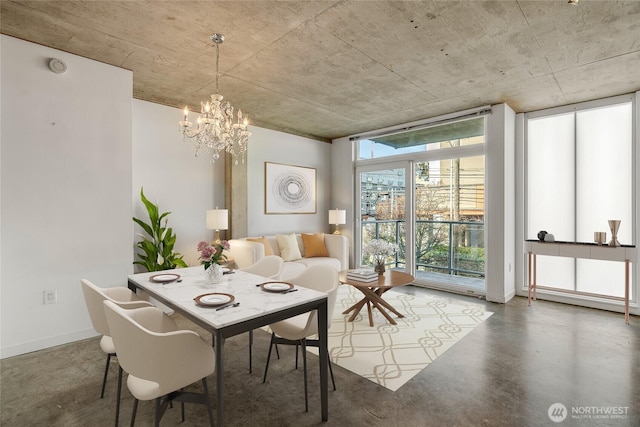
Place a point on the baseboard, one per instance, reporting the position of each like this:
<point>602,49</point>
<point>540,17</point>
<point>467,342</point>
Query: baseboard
<point>510,295</point>
<point>459,290</point>
<point>589,302</point>
<point>28,347</point>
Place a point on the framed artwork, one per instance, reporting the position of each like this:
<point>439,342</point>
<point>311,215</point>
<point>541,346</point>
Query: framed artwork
<point>289,189</point>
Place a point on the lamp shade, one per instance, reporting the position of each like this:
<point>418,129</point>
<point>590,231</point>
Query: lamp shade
<point>217,219</point>
<point>337,216</point>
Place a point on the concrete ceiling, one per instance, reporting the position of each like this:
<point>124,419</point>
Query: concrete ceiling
<point>327,69</point>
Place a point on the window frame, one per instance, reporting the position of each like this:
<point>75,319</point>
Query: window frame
<point>635,185</point>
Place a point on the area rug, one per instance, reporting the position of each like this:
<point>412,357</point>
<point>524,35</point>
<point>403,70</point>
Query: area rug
<point>390,355</point>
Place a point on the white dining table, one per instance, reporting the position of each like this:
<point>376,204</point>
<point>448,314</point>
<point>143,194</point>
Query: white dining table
<point>256,309</point>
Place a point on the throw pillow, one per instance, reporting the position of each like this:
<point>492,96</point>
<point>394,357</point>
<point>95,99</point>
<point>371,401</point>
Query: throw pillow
<point>268,250</point>
<point>288,245</point>
<point>314,245</point>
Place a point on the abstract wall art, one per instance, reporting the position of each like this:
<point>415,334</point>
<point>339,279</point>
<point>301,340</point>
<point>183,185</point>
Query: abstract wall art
<point>289,189</point>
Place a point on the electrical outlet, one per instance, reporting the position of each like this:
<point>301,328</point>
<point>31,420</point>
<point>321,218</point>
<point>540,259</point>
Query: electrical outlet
<point>50,296</point>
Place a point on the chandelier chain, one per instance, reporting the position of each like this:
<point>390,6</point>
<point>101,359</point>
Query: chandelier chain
<point>217,65</point>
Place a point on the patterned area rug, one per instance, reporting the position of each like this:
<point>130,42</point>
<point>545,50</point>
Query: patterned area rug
<point>391,355</point>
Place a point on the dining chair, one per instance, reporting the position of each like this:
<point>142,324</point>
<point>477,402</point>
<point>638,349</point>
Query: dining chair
<point>160,359</point>
<point>270,267</point>
<point>295,330</point>
<point>93,296</point>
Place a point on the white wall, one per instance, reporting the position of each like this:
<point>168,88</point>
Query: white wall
<point>278,147</point>
<point>172,177</point>
<point>65,191</point>
<point>69,190</point>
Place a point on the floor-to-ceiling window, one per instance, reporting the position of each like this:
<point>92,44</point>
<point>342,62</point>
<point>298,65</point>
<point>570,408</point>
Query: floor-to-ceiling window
<point>579,174</point>
<point>423,188</point>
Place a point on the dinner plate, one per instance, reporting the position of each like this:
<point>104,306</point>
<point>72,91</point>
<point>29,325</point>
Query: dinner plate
<point>276,286</point>
<point>214,299</point>
<point>226,270</point>
<point>164,277</point>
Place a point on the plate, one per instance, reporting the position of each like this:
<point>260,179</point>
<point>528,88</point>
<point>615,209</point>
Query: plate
<point>214,299</point>
<point>226,270</point>
<point>276,286</point>
<point>164,278</point>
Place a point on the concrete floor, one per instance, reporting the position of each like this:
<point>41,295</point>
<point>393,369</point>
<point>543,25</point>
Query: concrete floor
<point>506,372</point>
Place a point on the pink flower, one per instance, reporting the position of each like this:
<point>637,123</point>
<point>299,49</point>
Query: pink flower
<point>213,253</point>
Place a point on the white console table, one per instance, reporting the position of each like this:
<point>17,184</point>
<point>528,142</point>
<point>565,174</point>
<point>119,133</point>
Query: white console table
<point>626,254</point>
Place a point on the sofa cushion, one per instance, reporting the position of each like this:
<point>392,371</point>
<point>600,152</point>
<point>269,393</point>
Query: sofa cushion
<point>268,250</point>
<point>314,245</point>
<point>288,245</point>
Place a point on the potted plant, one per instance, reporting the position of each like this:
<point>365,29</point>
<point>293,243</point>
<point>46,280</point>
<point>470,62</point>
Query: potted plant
<point>157,247</point>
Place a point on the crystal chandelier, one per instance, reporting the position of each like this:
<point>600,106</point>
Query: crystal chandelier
<point>217,130</point>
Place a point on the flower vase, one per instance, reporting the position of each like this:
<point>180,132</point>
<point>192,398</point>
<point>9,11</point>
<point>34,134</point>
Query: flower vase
<point>214,273</point>
<point>379,268</point>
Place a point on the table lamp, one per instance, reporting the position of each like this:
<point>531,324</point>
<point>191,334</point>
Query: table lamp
<point>337,217</point>
<point>217,219</point>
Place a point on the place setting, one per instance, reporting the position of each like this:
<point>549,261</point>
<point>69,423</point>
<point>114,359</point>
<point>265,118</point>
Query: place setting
<point>217,300</point>
<point>277,287</point>
<point>165,278</point>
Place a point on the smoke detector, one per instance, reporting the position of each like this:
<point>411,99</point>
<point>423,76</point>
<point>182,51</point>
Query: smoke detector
<point>58,66</point>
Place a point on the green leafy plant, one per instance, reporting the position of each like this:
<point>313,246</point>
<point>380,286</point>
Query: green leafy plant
<point>157,249</point>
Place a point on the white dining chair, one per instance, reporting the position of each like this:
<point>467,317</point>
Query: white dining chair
<point>94,296</point>
<point>160,359</point>
<point>270,267</point>
<point>295,330</point>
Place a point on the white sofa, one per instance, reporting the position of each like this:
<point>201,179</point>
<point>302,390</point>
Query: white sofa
<point>246,253</point>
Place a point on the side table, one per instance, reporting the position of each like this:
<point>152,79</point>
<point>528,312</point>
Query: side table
<point>373,291</point>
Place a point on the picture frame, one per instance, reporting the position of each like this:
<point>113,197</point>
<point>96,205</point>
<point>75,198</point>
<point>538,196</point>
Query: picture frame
<point>289,189</point>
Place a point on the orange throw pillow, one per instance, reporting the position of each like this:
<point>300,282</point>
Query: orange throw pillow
<point>268,250</point>
<point>314,245</point>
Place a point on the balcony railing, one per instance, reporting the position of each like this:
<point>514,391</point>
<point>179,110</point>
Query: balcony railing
<point>450,247</point>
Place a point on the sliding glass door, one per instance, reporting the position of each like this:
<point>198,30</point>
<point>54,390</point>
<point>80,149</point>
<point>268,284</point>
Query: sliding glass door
<point>449,223</point>
<point>424,190</point>
<point>383,204</point>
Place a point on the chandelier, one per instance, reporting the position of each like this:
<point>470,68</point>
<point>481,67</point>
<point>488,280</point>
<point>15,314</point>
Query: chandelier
<point>217,130</point>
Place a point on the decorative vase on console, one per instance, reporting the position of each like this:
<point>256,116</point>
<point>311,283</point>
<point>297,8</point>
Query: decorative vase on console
<point>614,225</point>
<point>211,255</point>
